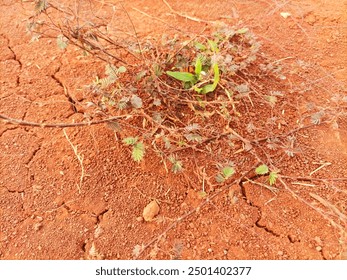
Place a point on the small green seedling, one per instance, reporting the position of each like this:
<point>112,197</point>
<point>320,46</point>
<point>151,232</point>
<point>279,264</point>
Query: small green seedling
<point>112,73</point>
<point>225,174</point>
<point>138,150</point>
<point>263,170</point>
<point>177,165</point>
<point>196,80</point>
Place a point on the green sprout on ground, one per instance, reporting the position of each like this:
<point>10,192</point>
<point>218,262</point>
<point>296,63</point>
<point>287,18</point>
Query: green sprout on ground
<point>138,148</point>
<point>263,170</point>
<point>177,165</point>
<point>225,173</point>
<point>199,80</point>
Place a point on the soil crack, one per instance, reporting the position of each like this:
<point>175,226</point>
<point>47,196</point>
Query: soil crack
<point>15,57</point>
<point>259,208</point>
<point>66,91</point>
<point>22,192</point>
<point>99,217</point>
<point>8,129</point>
<point>28,162</point>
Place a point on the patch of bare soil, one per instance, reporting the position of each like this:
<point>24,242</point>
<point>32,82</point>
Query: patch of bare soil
<point>76,193</point>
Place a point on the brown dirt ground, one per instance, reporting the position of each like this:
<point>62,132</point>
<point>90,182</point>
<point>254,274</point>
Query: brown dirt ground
<point>46,214</point>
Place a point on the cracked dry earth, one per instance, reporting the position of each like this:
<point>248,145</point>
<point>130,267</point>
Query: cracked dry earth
<point>45,213</point>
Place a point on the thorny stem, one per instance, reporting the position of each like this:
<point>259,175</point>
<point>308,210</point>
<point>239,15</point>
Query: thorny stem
<point>7,119</point>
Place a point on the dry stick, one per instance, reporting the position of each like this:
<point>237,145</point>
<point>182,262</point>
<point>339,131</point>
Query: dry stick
<point>286,133</point>
<point>185,16</point>
<point>158,19</point>
<point>135,32</point>
<point>320,211</point>
<point>314,179</point>
<point>7,119</point>
<point>270,188</point>
<point>79,158</point>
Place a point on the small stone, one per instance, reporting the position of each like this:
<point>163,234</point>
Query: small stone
<point>37,226</point>
<point>150,211</point>
<point>318,240</point>
<point>139,219</point>
<point>311,19</point>
<point>39,218</point>
<point>280,253</point>
<point>319,248</point>
<point>37,187</point>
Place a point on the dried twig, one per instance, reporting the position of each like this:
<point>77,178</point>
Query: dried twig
<point>79,158</point>
<point>313,179</point>
<point>319,210</point>
<point>10,120</point>
<point>185,16</point>
<point>158,19</point>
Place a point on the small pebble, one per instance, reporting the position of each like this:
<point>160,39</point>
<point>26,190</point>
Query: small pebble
<point>319,248</point>
<point>139,219</point>
<point>150,211</point>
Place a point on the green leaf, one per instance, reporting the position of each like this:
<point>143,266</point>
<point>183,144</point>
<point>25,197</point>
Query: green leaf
<point>202,194</point>
<point>40,6</point>
<point>177,165</point>
<point>62,42</point>
<point>262,169</point>
<point>213,46</point>
<point>138,151</point>
<point>200,46</point>
<point>140,75</point>
<point>198,67</point>
<point>228,171</point>
<point>242,30</point>
<point>211,87</point>
<point>130,140</point>
<point>121,69</point>
<point>182,76</point>
<point>272,177</point>
<point>216,74</point>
